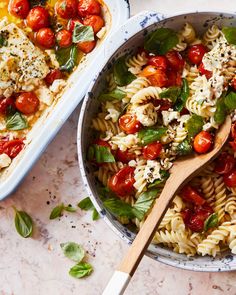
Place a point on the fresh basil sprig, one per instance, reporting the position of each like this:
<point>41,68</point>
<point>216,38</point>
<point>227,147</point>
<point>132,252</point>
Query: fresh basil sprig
<point>82,33</point>
<point>16,122</point>
<point>67,58</point>
<point>230,100</point>
<point>172,93</point>
<point>118,207</point>
<point>230,34</point>
<point>115,94</point>
<point>211,221</point>
<point>101,154</point>
<point>87,205</point>
<point>194,125</point>
<point>58,210</point>
<point>122,76</point>
<point>184,148</point>
<point>149,135</point>
<point>81,270</point>
<point>23,223</point>
<point>161,41</point>
<point>73,251</point>
<point>221,111</point>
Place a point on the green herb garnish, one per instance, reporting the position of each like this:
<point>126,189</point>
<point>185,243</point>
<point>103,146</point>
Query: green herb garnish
<point>16,122</point>
<point>73,251</point>
<point>115,94</point>
<point>230,34</point>
<point>122,76</point>
<point>67,58</point>
<point>81,270</point>
<point>23,223</point>
<point>149,135</point>
<point>211,221</point>
<point>82,33</point>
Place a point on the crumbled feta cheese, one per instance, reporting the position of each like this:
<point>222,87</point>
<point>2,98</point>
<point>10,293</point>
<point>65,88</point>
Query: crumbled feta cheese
<point>183,119</point>
<point>152,171</point>
<point>169,116</point>
<point>217,82</point>
<point>5,161</point>
<point>132,163</point>
<point>146,114</point>
<point>113,114</point>
<point>57,85</point>
<point>201,89</point>
<point>45,95</point>
<point>101,33</point>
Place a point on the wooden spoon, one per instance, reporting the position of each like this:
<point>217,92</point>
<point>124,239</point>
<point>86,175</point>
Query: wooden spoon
<point>181,172</point>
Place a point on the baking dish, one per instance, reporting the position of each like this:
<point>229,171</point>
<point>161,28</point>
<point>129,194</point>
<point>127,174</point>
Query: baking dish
<point>116,12</point>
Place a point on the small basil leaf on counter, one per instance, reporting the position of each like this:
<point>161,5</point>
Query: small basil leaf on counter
<point>103,154</point>
<point>81,270</point>
<point>73,251</point>
<point>144,203</point>
<point>122,76</point>
<point>211,221</point>
<point>230,34</point>
<point>230,100</point>
<point>158,183</point>
<point>95,215</point>
<point>194,125</point>
<point>149,135</point>
<point>82,33</point>
<point>3,40</point>
<point>70,208</point>
<point>118,207</point>
<point>23,223</point>
<point>115,94</point>
<point>16,122</point>
<point>67,58</point>
<point>86,204</point>
<point>172,93</point>
<point>57,211</point>
<point>161,41</point>
<point>221,111</point>
<point>184,148</point>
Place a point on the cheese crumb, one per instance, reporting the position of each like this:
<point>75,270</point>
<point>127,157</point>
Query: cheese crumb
<point>152,171</point>
<point>5,161</point>
<point>169,116</point>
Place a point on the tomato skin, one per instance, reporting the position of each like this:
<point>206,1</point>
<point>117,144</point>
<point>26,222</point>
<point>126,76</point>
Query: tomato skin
<point>203,71</point>
<point>159,61</point>
<point>87,46</point>
<point>125,156</point>
<point>233,130</point>
<point>45,37</point>
<point>38,18</point>
<point>195,53</point>
<point>224,163</point>
<point>27,103</point>
<point>152,150</point>
<point>11,147</point>
<point>233,145</point>
<point>88,7</point>
<point>175,60</point>
<point>95,21</point>
<point>64,38</point>
<point>156,76</point>
<point>19,8</point>
<point>66,8</point>
<point>234,83</point>
<point>230,178</point>
<point>163,104</point>
<point>52,76</point>
<point>102,142</point>
<point>122,182</point>
<point>202,142</point>
<point>71,24</point>
<point>129,123</point>
<point>189,194</point>
<point>5,103</point>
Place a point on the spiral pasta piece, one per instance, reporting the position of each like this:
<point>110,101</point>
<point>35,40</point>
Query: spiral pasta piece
<point>220,197</point>
<point>140,181</point>
<point>136,85</point>
<point>230,206</point>
<point>211,35</point>
<point>188,33</point>
<point>146,94</point>
<point>103,125</point>
<point>181,45</point>
<point>103,175</point>
<point>181,134</point>
<point>135,63</point>
<point>207,186</point>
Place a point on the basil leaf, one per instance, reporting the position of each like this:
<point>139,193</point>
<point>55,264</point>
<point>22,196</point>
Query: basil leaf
<point>23,223</point>
<point>194,125</point>
<point>221,111</point>
<point>67,58</point>
<point>73,251</point>
<point>211,221</point>
<point>118,207</point>
<point>230,100</point>
<point>57,211</point>
<point>95,215</point>
<point>82,33</point>
<point>230,34</point>
<point>161,41</point>
<point>144,203</point>
<point>16,122</point>
<point>183,96</point>
<point>159,182</point>
<point>150,135</point>
<point>184,148</point>
<point>81,270</point>
<point>86,204</point>
<point>172,93</point>
<point>122,76</point>
<point>70,208</point>
<point>116,94</point>
<point>103,154</point>
<point>3,40</point>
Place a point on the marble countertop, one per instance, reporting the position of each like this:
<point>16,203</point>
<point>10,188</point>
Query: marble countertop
<point>37,265</point>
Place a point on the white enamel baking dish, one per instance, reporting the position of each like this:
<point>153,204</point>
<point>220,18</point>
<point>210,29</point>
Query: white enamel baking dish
<point>116,12</point>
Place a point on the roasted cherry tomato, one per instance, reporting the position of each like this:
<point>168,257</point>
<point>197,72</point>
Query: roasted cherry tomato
<point>122,182</point>
<point>72,22</point>
<point>175,60</point>
<point>27,103</point>
<point>87,46</point>
<point>102,143</point>
<point>38,18</point>
<point>19,8</point>
<point>202,142</point>
<point>95,21</point>
<point>186,215</point>
<point>196,221</point>
<point>224,163</point>
<point>152,150</point>
<point>88,7</point>
<point>6,104</point>
<point>66,8</point>
<point>230,178</point>
<point>11,147</point>
<point>174,78</point>
<point>45,37</point>
<point>195,53</point>
<point>125,156</point>
<point>158,61</point>
<point>233,83</point>
<point>233,130</point>
<point>155,75</point>
<point>233,145</point>
<point>205,72</point>
<point>64,38</point>
<point>52,76</point>
<point>189,194</point>
<point>129,123</point>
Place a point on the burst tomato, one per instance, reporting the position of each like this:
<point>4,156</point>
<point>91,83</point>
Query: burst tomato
<point>45,37</point>
<point>129,123</point>
<point>38,18</point>
<point>19,8</point>
<point>203,71</point>
<point>89,7</point>
<point>66,8</point>
<point>6,104</point>
<point>158,61</point>
<point>155,75</point>
<point>152,150</point>
<point>64,38</point>
<point>195,53</point>
<point>230,178</point>
<point>52,76</point>
<point>175,60</point>
<point>189,194</point>
<point>122,182</point>
<point>224,163</point>
<point>95,21</point>
<point>11,147</point>
<point>202,142</point>
<point>125,156</point>
<point>27,103</point>
<point>87,46</point>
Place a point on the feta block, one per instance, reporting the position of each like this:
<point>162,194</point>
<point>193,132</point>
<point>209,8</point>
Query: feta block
<point>45,95</point>
<point>146,114</point>
<point>152,171</point>
<point>169,116</point>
